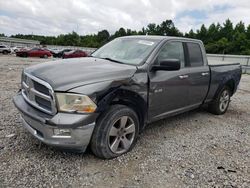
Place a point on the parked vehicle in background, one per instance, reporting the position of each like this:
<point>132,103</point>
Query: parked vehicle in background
<point>107,99</point>
<point>74,54</point>
<point>14,49</point>
<point>5,49</point>
<point>53,51</point>
<point>60,53</point>
<point>35,52</point>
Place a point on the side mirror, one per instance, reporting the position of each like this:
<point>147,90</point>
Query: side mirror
<point>168,64</point>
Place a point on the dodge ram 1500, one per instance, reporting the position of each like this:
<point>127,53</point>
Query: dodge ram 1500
<point>105,101</point>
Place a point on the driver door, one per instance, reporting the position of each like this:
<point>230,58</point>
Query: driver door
<point>168,90</point>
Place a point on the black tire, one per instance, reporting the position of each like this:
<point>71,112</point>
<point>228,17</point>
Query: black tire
<point>5,52</point>
<point>215,107</point>
<point>102,137</point>
<point>25,54</point>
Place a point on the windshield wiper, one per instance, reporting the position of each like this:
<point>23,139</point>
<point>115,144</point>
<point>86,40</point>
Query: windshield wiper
<point>108,58</point>
<point>113,60</point>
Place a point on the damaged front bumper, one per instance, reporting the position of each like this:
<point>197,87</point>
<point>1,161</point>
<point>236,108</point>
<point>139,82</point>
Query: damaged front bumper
<point>64,130</point>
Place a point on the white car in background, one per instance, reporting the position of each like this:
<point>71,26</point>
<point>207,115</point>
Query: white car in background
<point>5,49</point>
<point>15,49</point>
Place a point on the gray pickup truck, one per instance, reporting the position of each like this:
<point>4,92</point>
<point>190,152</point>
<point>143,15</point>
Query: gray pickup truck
<point>104,101</point>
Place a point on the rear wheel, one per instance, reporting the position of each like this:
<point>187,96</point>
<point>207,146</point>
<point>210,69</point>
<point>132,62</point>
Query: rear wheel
<point>116,132</point>
<point>45,56</point>
<point>25,54</point>
<point>221,102</point>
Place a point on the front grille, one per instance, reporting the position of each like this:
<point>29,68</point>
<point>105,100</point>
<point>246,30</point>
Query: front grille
<point>41,88</point>
<point>38,93</point>
<point>43,103</point>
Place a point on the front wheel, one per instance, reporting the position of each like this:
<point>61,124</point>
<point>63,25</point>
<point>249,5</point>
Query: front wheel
<point>221,102</point>
<point>116,132</point>
<point>5,52</point>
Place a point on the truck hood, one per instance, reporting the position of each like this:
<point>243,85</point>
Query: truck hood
<point>64,75</point>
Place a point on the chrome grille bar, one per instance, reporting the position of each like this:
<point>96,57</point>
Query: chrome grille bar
<point>37,93</point>
<point>31,95</point>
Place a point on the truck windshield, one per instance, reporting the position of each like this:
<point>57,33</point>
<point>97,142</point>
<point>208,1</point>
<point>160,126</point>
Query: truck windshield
<point>126,50</point>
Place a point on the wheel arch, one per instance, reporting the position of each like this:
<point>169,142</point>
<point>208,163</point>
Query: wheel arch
<point>230,83</point>
<point>128,98</point>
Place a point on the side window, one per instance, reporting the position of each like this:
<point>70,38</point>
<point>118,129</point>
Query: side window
<point>195,55</point>
<point>172,50</point>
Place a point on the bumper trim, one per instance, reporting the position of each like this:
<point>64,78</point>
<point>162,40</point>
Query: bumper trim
<point>79,139</point>
<point>30,129</point>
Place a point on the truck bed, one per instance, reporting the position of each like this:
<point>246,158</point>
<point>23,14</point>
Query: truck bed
<point>221,63</point>
<point>221,73</point>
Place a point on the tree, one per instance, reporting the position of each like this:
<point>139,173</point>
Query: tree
<point>167,28</point>
<point>248,32</point>
<point>103,37</point>
<point>222,45</point>
<point>191,34</point>
<point>121,32</point>
<point>247,52</point>
<point>227,30</point>
<point>130,32</point>
<point>142,32</point>
<point>217,38</point>
<point>240,27</point>
<point>151,29</point>
<point>213,33</point>
<point>202,34</point>
<point>239,44</point>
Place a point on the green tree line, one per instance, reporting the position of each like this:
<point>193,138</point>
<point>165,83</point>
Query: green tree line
<point>218,38</point>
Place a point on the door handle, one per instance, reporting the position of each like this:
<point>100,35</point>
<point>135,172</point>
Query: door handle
<point>183,76</point>
<point>204,74</point>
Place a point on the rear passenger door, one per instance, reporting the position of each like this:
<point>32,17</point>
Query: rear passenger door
<point>199,74</point>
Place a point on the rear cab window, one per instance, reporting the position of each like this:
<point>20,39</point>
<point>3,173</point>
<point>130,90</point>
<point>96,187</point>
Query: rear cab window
<point>195,58</point>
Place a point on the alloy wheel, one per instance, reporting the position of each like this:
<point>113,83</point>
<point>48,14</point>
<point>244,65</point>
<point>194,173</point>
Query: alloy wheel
<point>121,135</point>
<point>224,100</point>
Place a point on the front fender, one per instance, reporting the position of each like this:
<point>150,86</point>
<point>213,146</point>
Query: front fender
<point>96,91</point>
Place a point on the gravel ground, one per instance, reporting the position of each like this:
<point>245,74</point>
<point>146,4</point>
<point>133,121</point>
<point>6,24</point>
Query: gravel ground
<point>195,149</point>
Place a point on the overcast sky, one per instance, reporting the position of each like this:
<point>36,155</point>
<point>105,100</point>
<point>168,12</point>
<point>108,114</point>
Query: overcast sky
<point>53,17</point>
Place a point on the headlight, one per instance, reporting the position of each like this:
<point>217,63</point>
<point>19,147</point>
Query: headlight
<point>69,102</point>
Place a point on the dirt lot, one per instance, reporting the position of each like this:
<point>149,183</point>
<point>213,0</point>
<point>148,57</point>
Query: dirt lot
<point>196,149</point>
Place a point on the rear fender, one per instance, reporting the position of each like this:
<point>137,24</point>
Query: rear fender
<point>228,80</point>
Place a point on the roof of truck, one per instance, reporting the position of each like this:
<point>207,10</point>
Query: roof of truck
<point>158,37</point>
